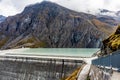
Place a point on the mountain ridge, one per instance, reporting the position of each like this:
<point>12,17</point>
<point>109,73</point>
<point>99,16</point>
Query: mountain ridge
<point>47,24</point>
<point>109,17</point>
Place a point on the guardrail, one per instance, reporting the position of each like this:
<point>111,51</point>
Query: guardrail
<point>112,60</point>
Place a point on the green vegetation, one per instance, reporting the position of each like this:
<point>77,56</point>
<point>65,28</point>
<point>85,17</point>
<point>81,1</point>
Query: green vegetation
<point>39,44</point>
<point>113,42</point>
<point>3,41</point>
<point>32,42</point>
<point>73,76</point>
<point>29,40</point>
<point>88,77</point>
<point>103,27</point>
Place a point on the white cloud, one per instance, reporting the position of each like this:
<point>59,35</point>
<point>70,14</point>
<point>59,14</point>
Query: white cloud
<point>7,8</point>
<point>12,7</point>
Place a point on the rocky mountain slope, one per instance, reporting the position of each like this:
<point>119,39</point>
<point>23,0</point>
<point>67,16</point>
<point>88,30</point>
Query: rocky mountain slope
<point>110,17</point>
<point>2,18</point>
<point>47,24</point>
<point>113,42</point>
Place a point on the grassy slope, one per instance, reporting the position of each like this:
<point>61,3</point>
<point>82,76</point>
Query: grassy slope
<point>103,27</point>
<point>113,42</point>
<point>30,42</point>
<point>74,75</point>
<point>3,41</point>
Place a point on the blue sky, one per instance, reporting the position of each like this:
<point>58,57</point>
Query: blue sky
<point>12,7</point>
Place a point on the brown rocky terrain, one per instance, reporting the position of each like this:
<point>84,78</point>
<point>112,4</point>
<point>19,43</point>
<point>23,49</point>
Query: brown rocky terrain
<point>50,25</point>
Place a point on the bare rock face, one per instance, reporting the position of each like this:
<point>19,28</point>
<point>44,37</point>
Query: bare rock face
<point>47,24</point>
<point>2,18</point>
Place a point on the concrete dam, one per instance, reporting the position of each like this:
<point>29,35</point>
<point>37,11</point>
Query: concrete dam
<point>22,67</point>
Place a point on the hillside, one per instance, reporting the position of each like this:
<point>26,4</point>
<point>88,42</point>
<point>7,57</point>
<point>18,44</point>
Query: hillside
<point>109,17</point>
<point>50,25</point>
<point>113,42</point>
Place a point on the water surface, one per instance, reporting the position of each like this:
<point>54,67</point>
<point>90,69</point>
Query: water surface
<point>76,52</point>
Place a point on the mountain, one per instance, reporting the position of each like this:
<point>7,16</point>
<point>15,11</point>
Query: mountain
<point>105,11</point>
<point>110,17</point>
<point>112,43</point>
<point>109,20</point>
<point>50,25</point>
<point>118,13</point>
<point>2,18</point>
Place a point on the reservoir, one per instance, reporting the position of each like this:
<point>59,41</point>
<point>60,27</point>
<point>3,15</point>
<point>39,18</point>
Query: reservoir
<point>72,52</point>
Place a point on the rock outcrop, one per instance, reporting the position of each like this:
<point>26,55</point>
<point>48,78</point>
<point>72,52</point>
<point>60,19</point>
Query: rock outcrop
<point>112,43</point>
<point>50,25</point>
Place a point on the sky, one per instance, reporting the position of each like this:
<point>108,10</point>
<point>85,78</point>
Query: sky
<point>12,7</point>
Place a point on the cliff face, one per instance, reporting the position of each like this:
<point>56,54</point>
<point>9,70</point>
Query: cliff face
<point>113,42</point>
<point>47,24</point>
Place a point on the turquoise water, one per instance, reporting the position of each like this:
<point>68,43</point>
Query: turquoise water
<point>77,52</point>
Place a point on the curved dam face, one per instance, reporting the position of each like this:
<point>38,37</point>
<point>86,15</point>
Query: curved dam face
<point>41,69</point>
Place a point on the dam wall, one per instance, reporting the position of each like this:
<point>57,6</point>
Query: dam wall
<point>31,68</point>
